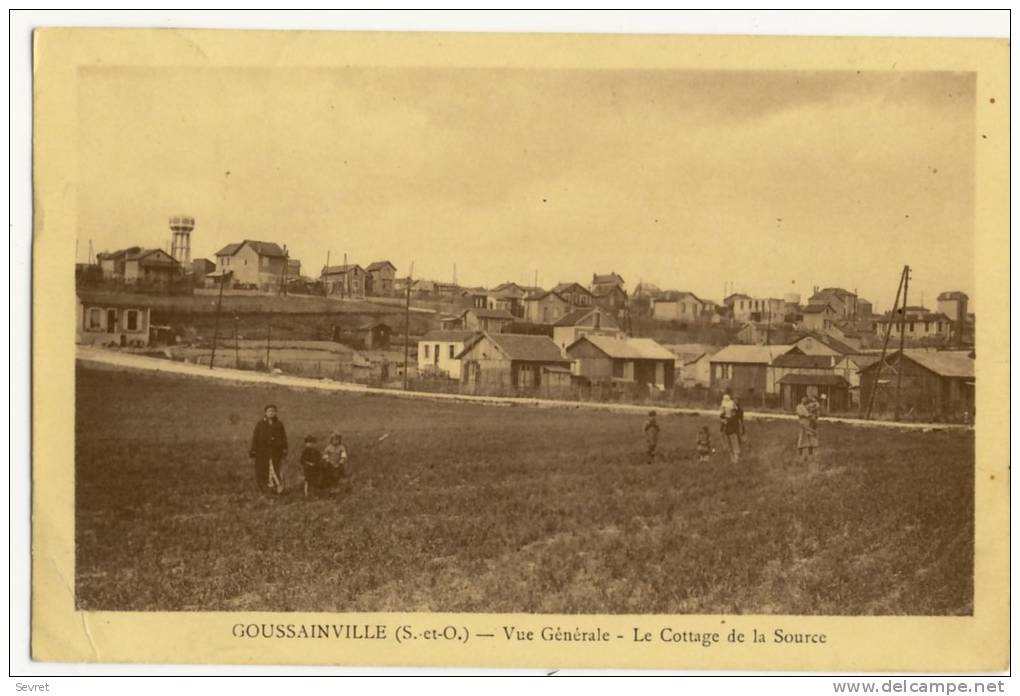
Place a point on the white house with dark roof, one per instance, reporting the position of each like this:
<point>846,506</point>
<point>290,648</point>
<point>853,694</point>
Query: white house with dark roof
<point>582,322</point>
<point>438,351</point>
<point>262,264</point>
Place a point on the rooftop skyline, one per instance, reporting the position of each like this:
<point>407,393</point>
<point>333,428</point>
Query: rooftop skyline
<point>769,182</point>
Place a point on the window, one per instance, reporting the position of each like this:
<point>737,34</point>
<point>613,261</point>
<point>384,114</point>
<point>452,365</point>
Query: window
<point>451,351</point>
<point>132,320</point>
<point>426,350</point>
<point>95,318</point>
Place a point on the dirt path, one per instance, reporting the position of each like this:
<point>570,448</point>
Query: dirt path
<point>108,358</point>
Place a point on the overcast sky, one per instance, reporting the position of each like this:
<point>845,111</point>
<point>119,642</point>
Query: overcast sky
<point>775,181</point>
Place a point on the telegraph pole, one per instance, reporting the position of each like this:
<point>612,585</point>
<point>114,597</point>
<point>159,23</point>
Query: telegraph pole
<point>216,328</point>
<point>407,323</point>
<point>283,273</point>
<point>885,345</point>
<point>269,340</point>
<point>237,348</point>
<point>325,276</point>
<point>903,336</point>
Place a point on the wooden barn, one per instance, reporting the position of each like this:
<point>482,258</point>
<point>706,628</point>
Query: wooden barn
<point>937,384</point>
<point>492,363</point>
<point>638,360</point>
<point>746,370</point>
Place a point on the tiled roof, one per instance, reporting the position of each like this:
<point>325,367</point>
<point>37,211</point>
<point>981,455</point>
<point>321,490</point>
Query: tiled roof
<point>261,248</point>
<point>528,347</point>
<point>797,359</point>
<point>627,348</point>
<point>336,270</point>
<point>945,363</point>
<point>820,380</point>
<point>760,355</point>
<point>449,336</point>
<point>490,313</point>
<point>376,265</point>
<point>577,316</point>
<point>817,308</point>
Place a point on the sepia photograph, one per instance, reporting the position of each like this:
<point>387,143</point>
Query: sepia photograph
<point>536,346</point>
<point>381,339</point>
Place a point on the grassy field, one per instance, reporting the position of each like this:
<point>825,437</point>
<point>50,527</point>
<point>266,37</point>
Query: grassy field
<point>504,509</point>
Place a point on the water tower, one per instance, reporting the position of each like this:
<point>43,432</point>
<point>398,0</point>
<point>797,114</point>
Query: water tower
<point>180,247</point>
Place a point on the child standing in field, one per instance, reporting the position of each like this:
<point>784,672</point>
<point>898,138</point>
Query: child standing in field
<point>704,444</point>
<point>651,435</point>
<point>334,458</point>
<point>268,450</point>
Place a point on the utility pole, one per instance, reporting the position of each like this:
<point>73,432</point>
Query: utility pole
<point>283,273</point>
<point>216,328</point>
<point>885,345</point>
<point>407,323</point>
<point>346,280</point>
<point>269,340</point>
<point>237,348</point>
<point>325,287</point>
<point>903,336</point>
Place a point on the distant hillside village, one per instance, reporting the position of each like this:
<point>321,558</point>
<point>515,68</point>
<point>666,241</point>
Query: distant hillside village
<point>589,340</point>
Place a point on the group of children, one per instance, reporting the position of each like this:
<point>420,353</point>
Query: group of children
<point>323,469</point>
<point>731,426</point>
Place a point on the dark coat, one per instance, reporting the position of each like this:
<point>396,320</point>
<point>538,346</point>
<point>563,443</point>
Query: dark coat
<point>269,439</point>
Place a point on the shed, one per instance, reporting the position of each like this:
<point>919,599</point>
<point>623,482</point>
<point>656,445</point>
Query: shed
<point>937,384</point>
<point>832,390</point>
<point>640,360</point>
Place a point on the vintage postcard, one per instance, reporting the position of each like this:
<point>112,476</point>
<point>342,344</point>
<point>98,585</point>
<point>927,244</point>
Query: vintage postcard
<point>520,350</point>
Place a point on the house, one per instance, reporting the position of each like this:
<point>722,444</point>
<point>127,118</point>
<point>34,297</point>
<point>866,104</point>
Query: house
<point>514,362</point>
<point>746,308</point>
<point>953,304</point>
<point>580,322</point>
<point>602,358</point>
<point>849,368</point>
<point>545,307</point>
<point>509,297</point>
<point>293,268</point>
<point>919,325</point>
<point>677,306</point>
<point>799,374</point>
<point>111,263</point>
<point>379,277</point>
<point>448,292</point>
<point>253,263</point>
<point>491,320</point>
<point>371,335</point>
<point>692,367</point>
<point>345,280</point>
<point>819,317</point>
<point>746,370</point>
<point>763,333</point>
<point>200,268</point>
<point>600,283</point>
<point>474,297</point>
<point>576,294</point>
<point>821,344</point>
<point>611,298</point>
<point>933,384</point>
<point>151,267</point>
<point>438,351</point>
<point>832,391</point>
<point>846,304</point>
<point>108,318</point>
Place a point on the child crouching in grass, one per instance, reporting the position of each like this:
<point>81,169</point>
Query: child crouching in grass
<point>324,470</point>
<point>334,461</point>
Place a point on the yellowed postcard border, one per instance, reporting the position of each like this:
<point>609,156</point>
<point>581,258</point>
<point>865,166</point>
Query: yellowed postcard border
<point>61,633</point>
